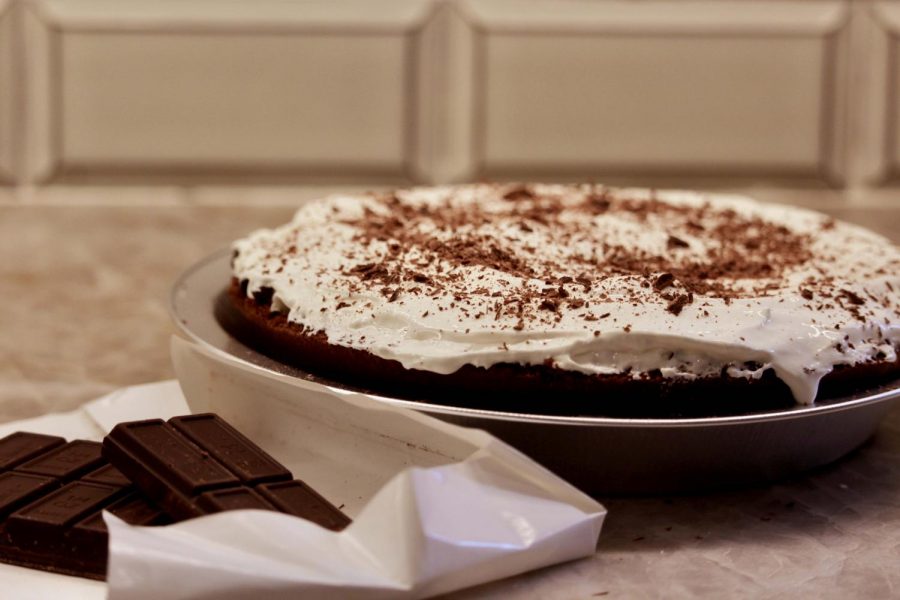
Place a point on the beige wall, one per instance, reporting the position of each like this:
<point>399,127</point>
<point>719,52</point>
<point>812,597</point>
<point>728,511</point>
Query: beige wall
<point>788,92</point>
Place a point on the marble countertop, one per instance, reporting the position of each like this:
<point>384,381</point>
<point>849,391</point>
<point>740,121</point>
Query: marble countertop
<point>87,283</point>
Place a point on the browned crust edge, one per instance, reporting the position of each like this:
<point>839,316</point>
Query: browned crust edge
<point>538,389</point>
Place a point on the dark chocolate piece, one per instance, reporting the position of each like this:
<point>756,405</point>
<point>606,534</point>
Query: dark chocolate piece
<point>18,447</point>
<point>38,524</point>
<point>133,509</point>
<point>231,448</point>
<point>66,462</point>
<point>50,519</point>
<point>107,474</point>
<point>232,499</point>
<point>199,464</point>
<point>297,498</point>
<point>165,465</point>
<point>17,489</point>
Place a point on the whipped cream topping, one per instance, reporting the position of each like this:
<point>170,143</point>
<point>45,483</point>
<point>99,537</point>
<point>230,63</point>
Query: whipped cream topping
<point>585,278</point>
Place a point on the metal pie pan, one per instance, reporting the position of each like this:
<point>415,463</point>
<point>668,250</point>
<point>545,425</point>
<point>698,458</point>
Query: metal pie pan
<point>601,455</point>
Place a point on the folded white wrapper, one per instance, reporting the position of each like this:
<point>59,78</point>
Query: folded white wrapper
<point>436,507</point>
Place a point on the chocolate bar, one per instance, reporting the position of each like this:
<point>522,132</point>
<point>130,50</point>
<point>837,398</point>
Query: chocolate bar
<point>52,494</point>
<point>199,464</point>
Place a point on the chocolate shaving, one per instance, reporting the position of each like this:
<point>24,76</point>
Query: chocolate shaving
<point>548,304</point>
<point>456,250</point>
<point>679,303</point>
<point>663,281</point>
<point>852,297</point>
<point>520,192</point>
<point>598,203</point>
<point>676,242</point>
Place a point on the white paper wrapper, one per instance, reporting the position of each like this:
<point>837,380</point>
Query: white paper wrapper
<point>436,507</point>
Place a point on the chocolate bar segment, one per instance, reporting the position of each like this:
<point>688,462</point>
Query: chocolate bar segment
<point>231,448</point>
<point>66,462</point>
<point>50,519</point>
<point>133,509</point>
<point>298,499</point>
<point>109,475</point>
<point>232,499</point>
<point>165,461</point>
<point>21,446</point>
<point>17,489</point>
<point>38,523</point>
<point>159,447</point>
<point>166,466</point>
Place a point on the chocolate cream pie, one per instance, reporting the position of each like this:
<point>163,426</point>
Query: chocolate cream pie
<point>573,299</point>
